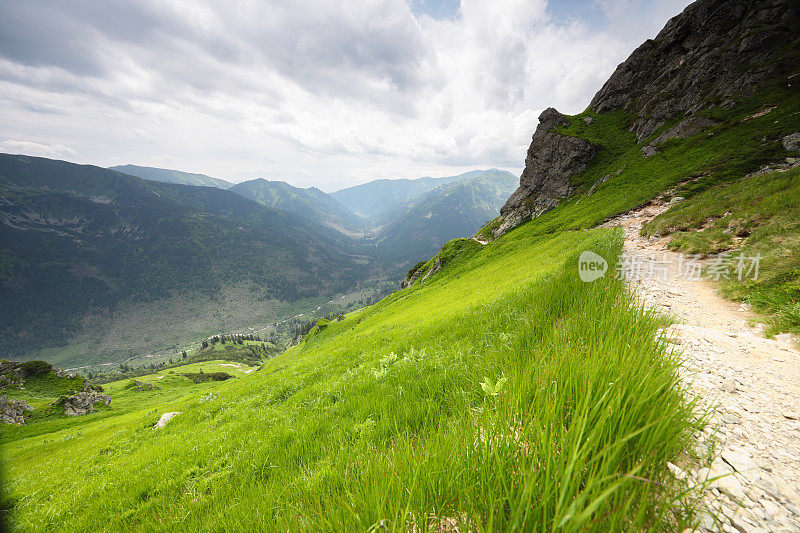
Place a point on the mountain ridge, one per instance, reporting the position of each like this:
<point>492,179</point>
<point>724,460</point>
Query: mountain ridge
<point>311,202</point>
<point>369,199</point>
<point>714,54</point>
<point>106,239</point>
<point>420,225</point>
<point>166,175</point>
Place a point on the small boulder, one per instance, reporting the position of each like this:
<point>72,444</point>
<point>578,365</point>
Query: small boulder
<point>82,403</point>
<point>792,142</point>
<point>166,417</point>
<point>649,151</point>
<point>144,385</point>
<point>13,411</point>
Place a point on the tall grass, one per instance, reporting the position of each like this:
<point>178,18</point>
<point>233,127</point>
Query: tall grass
<point>503,393</point>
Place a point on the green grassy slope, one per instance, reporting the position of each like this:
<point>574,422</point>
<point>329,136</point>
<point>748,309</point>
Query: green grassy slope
<point>172,386</point>
<point>503,392</point>
<point>42,389</point>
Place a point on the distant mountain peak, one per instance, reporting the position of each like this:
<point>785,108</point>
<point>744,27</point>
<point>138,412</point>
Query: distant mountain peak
<point>311,203</point>
<point>166,175</point>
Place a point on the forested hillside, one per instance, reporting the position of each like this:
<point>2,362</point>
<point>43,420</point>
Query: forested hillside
<point>77,241</point>
<point>415,228</point>
<point>310,203</point>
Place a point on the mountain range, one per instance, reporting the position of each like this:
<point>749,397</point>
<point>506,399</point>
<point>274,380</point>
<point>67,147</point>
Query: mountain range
<point>78,241</point>
<point>99,265</point>
<point>311,203</point>
<point>369,200</point>
<point>403,219</point>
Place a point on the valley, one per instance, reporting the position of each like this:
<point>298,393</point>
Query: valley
<point>165,264</point>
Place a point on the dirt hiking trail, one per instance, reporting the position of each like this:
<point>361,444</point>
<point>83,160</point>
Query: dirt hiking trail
<point>751,383</point>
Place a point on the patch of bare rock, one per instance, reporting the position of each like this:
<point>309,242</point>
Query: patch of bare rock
<point>82,403</point>
<point>166,417</point>
<point>13,411</point>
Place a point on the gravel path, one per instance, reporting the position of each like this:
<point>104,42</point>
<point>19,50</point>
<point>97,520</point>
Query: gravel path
<point>752,385</point>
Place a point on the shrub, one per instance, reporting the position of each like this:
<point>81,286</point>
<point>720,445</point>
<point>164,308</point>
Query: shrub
<point>200,377</point>
<point>34,368</point>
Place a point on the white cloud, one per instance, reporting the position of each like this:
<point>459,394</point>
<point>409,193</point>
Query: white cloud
<point>309,91</point>
<point>36,149</point>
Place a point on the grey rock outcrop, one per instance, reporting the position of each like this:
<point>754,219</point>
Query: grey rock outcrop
<point>437,266</point>
<point>410,279</point>
<point>553,158</point>
<point>11,375</point>
<point>685,128</point>
<point>13,411</point>
<point>712,53</point>
<point>792,142</point>
<point>82,403</point>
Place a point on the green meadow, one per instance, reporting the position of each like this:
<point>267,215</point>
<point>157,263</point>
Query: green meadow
<point>502,393</point>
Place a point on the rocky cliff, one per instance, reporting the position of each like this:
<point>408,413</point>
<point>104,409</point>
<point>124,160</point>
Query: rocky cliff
<point>715,52</point>
<point>551,161</point>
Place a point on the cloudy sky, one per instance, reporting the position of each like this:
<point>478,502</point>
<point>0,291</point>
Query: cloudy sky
<point>314,92</point>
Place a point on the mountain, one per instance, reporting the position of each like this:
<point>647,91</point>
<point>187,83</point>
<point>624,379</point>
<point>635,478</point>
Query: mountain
<point>172,176</point>
<point>710,57</point>
<point>370,199</point>
<point>417,227</point>
<point>704,119</point>
<point>85,250</point>
<point>404,224</point>
<point>310,203</point>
